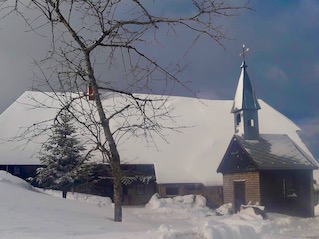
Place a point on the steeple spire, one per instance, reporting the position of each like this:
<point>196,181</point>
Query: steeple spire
<point>245,106</point>
<point>245,97</point>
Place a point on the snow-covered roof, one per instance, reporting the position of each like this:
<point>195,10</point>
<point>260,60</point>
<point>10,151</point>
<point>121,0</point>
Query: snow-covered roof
<point>190,155</point>
<point>277,151</point>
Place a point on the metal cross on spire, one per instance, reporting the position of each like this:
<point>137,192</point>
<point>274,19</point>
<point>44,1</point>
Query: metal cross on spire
<point>245,50</point>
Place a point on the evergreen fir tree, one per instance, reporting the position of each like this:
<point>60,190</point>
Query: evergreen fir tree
<point>61,156</point>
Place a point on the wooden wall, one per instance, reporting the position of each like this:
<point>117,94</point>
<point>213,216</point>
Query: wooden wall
<point>213,194</point>
<point>139,193</point>
<point>288,191</point>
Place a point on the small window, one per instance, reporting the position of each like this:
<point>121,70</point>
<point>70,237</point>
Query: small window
<point>190,187</point>
<point>140,189</point>
<point>172,191</point>
<point>251,123</point>
<point>16,170</point>
<point>238,119</point>
<point>289,190</point>
<point>193,187</point>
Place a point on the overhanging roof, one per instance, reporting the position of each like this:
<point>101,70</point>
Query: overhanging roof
<point>277,152</point>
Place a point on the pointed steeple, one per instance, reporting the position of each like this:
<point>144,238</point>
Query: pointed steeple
<point>245,98</point>
<point>245,106</point>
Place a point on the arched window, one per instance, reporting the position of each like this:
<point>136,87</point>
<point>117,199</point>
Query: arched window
<point>251,123</point>
<point>238,119</point>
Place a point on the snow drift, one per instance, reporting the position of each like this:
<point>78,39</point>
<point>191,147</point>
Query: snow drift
<point>30,214</point>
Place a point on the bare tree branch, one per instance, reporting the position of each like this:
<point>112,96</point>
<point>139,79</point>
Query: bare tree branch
<point>92,38</point>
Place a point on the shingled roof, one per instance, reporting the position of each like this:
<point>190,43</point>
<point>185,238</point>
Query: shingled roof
<point>277,152</point>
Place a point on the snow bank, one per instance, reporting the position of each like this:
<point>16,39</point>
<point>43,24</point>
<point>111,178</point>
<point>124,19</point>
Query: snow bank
<point>31,215</point>
<point>246,224</point>
<point>82,197</point>
<point>169,232</point>
<point>292,227</point>
<point>317,210</point>
<point>210,229</point>
<point>187,201</point>
<point>6,177</point>
<point>249,214</point>
<point>187,207</point>
<point>225,209</point>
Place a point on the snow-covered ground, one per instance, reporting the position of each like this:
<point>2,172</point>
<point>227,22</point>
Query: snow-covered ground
<point>30,213</point>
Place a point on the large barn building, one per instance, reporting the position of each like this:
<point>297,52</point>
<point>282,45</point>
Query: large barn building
<point>186,162</point>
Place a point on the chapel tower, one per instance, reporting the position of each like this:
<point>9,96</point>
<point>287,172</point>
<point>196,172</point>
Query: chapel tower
<point>245,106</point>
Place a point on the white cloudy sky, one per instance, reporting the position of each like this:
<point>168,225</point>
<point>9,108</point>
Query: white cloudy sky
<point>283,61</point>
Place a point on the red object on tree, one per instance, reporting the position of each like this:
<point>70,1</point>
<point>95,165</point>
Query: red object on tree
<point>90,92</point>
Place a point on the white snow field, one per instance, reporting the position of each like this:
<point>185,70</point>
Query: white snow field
<point>28,213</point>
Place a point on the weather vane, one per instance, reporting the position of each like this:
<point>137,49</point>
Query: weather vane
<point>245,50</point>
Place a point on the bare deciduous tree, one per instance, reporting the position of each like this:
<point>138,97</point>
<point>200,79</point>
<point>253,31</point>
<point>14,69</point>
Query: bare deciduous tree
<point>93,39</point>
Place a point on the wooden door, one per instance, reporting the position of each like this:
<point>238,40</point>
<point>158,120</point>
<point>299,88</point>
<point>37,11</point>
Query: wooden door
<point>239,195</point>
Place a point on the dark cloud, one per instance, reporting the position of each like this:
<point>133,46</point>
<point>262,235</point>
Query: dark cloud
<point>310,133</point>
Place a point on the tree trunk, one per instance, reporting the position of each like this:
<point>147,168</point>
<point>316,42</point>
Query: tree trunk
<point>113,155</point>
<point>118,191</point>
<point>64,193</point>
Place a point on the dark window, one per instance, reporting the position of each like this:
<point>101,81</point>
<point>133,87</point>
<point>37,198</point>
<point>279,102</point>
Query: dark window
<point>140,189</point>
<point>193,187</point>
<point>172,191</point>
<point>190,187</point>
<point>238,119</point>
<point>16,170</point>
<point>289,190</point>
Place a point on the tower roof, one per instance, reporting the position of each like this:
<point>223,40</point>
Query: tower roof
<point>245,98</point>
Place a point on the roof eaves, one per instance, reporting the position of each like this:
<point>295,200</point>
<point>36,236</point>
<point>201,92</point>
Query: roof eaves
<point>267,161</point>
<point>219,168</point>
<point>312,161</point>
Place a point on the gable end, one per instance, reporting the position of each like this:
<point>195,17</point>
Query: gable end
<point>236,159</point>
